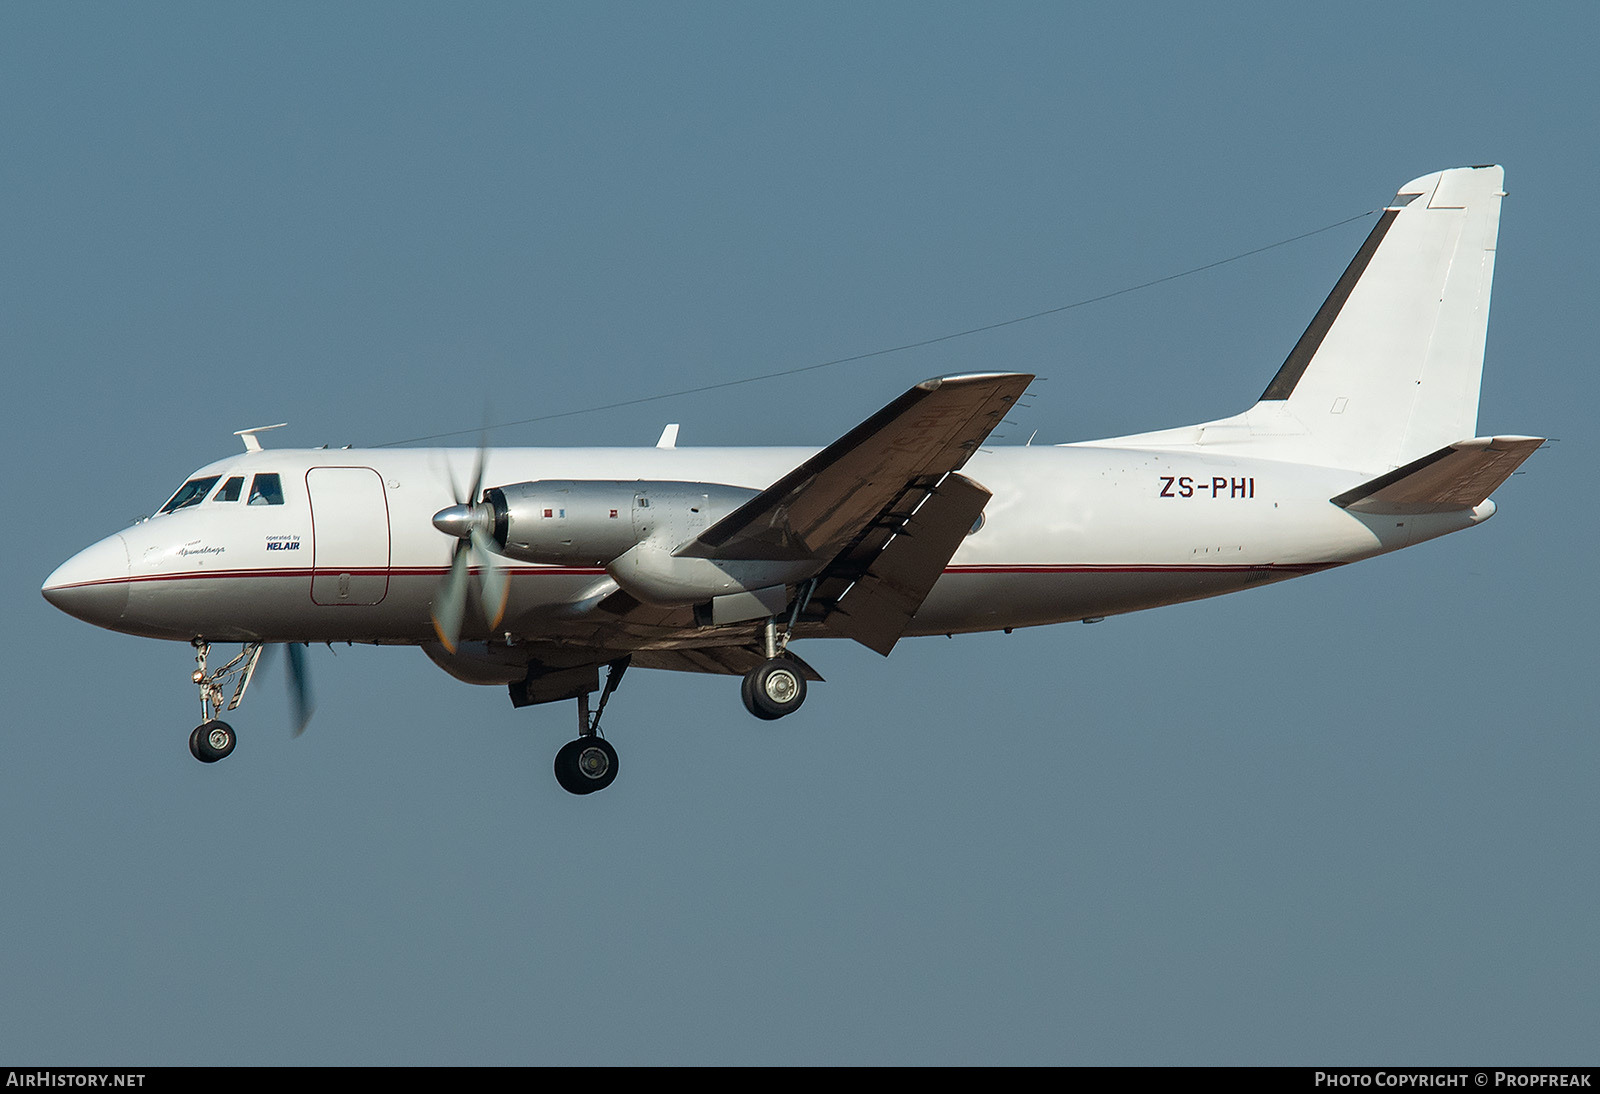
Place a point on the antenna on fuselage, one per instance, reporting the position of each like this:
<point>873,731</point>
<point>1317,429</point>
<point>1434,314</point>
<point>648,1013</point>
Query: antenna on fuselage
<point>251,442</point>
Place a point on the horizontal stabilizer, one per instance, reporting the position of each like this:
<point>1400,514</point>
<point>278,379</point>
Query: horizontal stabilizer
<point>1458,476</point>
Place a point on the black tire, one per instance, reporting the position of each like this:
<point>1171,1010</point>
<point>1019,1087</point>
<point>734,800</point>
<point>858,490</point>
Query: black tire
<point>212,741</point>
<point>774,689</point>
<point>586,765</point>
<point>750,700</point>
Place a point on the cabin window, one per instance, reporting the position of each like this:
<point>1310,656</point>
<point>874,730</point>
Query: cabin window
<point>190,493</point>
<point>231,489</point>
<point>266,490</point>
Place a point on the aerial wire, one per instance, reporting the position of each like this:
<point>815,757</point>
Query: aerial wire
<point>968,332</point>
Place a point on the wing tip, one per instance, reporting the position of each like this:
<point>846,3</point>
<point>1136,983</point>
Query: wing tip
<point>935,382</point>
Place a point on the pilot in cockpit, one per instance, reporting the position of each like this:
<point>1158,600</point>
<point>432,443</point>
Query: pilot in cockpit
<point>266,490</point>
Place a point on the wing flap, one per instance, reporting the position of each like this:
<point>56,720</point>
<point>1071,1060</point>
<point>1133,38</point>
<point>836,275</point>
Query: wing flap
<point>820,508</point>
<point>721,660</point>
<point>877,606</point>
<point>1457,476</point>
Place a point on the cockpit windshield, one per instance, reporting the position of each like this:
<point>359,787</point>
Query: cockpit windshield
<point>190,493</point>
<point>266,488</point>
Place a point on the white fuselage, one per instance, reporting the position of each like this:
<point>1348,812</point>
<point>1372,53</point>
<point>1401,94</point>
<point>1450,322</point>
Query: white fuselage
<point>1072,532</point>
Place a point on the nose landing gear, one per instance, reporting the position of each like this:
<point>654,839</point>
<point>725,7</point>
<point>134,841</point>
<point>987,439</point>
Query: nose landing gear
<point>213,740</point>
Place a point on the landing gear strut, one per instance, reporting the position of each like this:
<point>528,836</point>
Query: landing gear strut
<point>590,763</point>
<point>775,687</point>
<point>212,739</point>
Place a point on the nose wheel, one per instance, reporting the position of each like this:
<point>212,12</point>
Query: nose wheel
<point>211,741</point>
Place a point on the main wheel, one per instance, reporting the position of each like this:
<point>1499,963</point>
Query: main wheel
<point>773,689</point>
<point>211,741</point>
<point>586,765</point>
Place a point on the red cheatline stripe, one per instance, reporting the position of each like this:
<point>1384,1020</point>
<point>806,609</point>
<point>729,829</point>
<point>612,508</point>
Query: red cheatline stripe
<point>596,571</point>
<point>1235,568</point>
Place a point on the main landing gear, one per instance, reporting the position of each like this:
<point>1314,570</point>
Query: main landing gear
<point>212,739</point>
<point>590,763</point>
<point>775,687</point>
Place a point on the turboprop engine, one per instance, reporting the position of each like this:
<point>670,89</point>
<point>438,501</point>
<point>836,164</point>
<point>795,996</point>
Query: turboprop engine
<point>585,522</point>
<point>633,529</point>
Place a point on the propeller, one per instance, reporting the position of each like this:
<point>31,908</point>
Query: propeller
<point>470,521</point>
<point>299,688</point>
<point>301,703</point>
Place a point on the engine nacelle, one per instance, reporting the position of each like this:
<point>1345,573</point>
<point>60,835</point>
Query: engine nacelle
<point>590,522</point>
<point>480,662</point>
<point>739,588</point>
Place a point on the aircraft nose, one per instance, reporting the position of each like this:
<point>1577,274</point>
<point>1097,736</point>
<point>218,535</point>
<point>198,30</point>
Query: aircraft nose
<point>92,584</point>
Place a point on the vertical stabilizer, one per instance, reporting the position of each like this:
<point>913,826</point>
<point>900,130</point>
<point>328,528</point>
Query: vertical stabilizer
<point>1389,369</point>
<point>1390,366</point>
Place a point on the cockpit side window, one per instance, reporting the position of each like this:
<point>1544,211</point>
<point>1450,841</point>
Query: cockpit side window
<point>190,493</point>
<point>230,489</point>
<point>266,490</point>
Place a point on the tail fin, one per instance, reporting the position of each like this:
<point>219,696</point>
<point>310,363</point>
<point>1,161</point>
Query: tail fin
<point>1390,366</point>
<point>1389,369</point>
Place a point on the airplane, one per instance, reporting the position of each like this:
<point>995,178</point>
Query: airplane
<point>553,564</point>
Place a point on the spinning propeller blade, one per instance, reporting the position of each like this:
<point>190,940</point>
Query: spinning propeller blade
<point>450,604</point>
<point>496,585</point>
<point>299,688</point>
<point>469,520</point>
<point>298,677</point>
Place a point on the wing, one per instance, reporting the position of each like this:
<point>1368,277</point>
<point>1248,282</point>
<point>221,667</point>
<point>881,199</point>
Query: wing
<point>879,512</point>
<point>821,507</point>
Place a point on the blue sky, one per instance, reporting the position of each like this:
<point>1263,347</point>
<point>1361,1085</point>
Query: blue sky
<point>1345,819</point>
